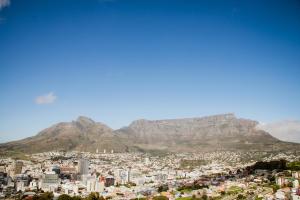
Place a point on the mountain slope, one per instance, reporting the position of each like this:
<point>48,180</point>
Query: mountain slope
<point>284,130</point>
<point>83,134</point>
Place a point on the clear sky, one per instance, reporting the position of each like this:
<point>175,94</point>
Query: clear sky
<point>117,60</point>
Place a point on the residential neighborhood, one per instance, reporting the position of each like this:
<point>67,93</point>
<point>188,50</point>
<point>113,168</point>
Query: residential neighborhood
<point>210,175</point>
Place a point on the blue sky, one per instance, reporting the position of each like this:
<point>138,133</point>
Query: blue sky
<point>117,60</point>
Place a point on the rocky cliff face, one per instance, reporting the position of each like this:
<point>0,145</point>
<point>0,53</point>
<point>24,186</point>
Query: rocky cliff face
<point>207,133</point>
<point>219,132</point>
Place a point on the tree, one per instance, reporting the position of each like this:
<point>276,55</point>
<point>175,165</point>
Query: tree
<point>163,188</point>
<point>44,196</point>
<point>139,198</point>
<point>94,196</point>
<point>160,198</point>
<point>275,188</point>
<point>64,197</point>
<point>76,198</point>
<point>240,197</point>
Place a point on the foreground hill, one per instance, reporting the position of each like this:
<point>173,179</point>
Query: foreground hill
<point>219,132</point>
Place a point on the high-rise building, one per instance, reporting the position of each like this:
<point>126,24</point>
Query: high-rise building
<point>91,184</point>
<point>18,167</point>
<point>128,175</point>
<point>21,181</point>
<point>50,181</point>
<point>95,184</point>
<point>83,167</point>
<point>20,186</point>
<point>99,186</point>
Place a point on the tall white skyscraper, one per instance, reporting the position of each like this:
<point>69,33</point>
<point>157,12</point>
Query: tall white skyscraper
<point>83,166</point>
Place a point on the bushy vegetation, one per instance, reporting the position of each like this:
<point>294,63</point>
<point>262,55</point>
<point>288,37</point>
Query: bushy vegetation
<point>275,164</point>
<point>67,197</point>
<point>94,196</point>
<point>274,187</point>
<point>241,197</point>
<point>49,196</point>
<point>294,166</point>
<point>191,187</point>
<point>139,198</point>
<point>233,190</point>
<point>163,188</point>
<point>128,185</point>
<point>160,198</point>
<point>16,155</point>
<point>189,198</point>
<point>56,158</point>
<point>43,196</point>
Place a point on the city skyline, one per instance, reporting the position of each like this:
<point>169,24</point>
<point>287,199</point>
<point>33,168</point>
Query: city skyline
<point>118,61</point>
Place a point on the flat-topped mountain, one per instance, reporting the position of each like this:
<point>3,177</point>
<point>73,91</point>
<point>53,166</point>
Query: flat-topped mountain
<point>199,134</point>
<point>218,132</point>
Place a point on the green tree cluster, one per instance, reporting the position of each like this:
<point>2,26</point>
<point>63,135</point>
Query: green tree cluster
<point>294,166</point>
<point>163,188</point>
<point>67,197</point>
<point>92,196</point>
<point>191,187</point>
<point>160,198</point>
<point>43,196</point>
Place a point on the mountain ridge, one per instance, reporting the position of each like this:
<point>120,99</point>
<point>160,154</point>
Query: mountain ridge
<point>216,132</point>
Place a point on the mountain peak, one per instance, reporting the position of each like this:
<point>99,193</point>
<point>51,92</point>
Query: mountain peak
<point>85,120</point>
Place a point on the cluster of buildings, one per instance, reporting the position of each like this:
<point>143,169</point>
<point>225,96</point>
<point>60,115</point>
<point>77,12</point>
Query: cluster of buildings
<point>216,175</point>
